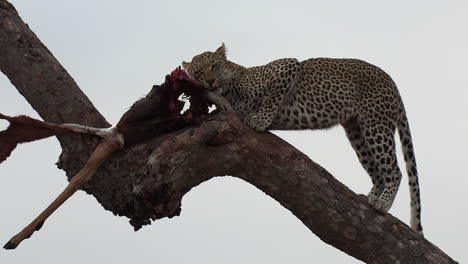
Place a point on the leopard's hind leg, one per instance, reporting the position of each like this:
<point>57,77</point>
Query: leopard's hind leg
<point>380,139</point>
<point>356,138</point>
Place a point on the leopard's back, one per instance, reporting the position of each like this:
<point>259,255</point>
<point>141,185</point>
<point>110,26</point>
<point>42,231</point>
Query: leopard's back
<point>330,91</point>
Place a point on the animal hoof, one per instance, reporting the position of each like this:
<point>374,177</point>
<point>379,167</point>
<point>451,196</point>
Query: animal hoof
<point>10,245</point>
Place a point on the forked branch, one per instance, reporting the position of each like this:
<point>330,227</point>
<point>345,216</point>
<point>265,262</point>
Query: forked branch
<point>148,179</point>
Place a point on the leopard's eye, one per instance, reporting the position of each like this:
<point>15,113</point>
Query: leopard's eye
<point>215,66</point>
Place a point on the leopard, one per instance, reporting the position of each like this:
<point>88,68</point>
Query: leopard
<point>319,93</point>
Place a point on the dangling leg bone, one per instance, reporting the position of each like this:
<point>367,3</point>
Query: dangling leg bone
<point>104,149</point>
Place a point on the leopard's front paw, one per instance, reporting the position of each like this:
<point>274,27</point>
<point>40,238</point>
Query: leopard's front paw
<point>256,122</point>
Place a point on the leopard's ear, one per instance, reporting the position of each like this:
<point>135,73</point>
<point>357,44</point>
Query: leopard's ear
<point>221,51</point>
<point>185,65</point>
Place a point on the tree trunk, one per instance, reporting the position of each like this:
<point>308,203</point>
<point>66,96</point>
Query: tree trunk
<point>147,181</point>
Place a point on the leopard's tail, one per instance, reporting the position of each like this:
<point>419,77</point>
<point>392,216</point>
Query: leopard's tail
<point>408,152</point>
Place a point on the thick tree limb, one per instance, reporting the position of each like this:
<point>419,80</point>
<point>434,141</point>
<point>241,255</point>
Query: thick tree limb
<point>147,181</point>
<point>46,85</point>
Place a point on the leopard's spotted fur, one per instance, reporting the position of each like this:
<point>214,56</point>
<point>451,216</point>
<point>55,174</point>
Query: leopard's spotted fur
<point>319,93</point>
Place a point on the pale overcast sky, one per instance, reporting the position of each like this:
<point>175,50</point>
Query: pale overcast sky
<point>116,50</point>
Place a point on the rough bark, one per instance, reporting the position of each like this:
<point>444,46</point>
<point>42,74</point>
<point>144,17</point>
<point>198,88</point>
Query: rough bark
<point>148,180</point>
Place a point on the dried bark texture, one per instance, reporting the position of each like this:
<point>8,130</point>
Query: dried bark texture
<point>148,180</point>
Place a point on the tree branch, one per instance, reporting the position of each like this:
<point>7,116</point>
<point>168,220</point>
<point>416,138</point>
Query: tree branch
<point>46,85</point>
<point>148,180</point>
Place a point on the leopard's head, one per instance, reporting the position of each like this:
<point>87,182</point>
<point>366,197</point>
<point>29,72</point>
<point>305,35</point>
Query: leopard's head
<point>208,68</point>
